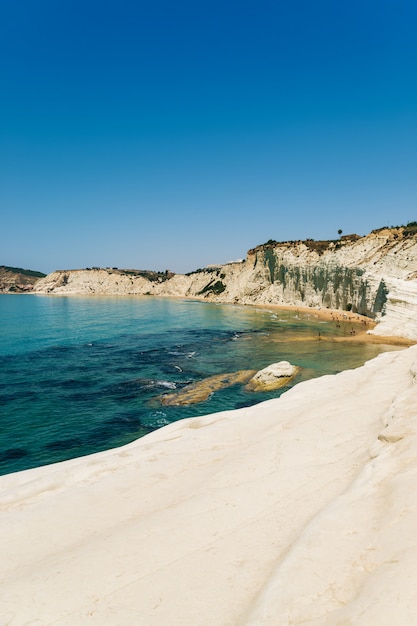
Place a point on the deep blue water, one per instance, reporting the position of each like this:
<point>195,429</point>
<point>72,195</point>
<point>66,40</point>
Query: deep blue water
<point>79,375</point>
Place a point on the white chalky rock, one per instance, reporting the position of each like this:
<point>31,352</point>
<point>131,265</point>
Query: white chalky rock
<point>272,377</point>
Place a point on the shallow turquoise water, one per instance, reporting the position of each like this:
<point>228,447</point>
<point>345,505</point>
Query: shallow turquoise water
<point>79,375</point>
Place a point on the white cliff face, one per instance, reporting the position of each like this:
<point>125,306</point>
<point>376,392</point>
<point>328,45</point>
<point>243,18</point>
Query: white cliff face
<point>374,275</point>
<point>400,310</point>
<point>98,281</point>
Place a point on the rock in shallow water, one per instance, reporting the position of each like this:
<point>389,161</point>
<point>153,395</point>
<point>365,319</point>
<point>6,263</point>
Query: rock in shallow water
<point>200,391</point>
<point>272,377</point>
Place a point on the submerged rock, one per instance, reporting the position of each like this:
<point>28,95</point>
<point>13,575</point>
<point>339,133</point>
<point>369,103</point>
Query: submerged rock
<point>198,392</point>
<point>272,377</point>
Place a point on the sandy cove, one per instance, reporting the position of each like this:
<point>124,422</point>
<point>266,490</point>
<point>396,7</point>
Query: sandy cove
<point>297,510</point>
<point>357,327</point>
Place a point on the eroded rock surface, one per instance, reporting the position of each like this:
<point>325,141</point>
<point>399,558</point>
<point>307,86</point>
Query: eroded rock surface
<point>274,376</point>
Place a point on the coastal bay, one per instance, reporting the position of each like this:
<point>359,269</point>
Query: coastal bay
<point>208,314</point>
<point>242,511</point>
<point>83,374</point>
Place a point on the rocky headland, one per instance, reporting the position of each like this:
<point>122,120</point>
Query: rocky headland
<point>374,276</point>
<point>17,279</point>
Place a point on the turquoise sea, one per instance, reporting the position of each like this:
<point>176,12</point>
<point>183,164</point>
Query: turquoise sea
<point>83,374</point>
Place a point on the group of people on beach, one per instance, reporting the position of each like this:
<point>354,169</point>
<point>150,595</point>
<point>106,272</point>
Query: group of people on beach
<point>346,318</point>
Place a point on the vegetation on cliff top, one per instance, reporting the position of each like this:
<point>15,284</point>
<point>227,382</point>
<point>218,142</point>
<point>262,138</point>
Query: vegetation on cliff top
<point>150,275</point>
<point>404,231</point>
<point>19,270</point>
<point>398,232</point>
<point>311,244</point>
<point>17,279</point>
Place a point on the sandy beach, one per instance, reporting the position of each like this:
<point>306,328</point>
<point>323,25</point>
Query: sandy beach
<point>356,327</point>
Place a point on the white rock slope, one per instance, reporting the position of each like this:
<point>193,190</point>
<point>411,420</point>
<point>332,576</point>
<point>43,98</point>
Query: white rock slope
<point>300,510</point>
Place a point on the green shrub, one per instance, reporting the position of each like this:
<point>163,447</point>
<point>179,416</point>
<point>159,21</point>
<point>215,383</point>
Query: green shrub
<point>215,288</point>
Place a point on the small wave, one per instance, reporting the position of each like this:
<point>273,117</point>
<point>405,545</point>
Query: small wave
<point>152,384</point>
<point>189,355</point>
<point>166,384</point>
<point>154,420</point>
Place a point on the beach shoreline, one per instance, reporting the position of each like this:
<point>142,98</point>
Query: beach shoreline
<point>233,516</point>
<point>360,324</point>
<point>357,326</point>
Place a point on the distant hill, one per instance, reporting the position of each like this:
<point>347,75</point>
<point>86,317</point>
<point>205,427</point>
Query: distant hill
<point>17,279</point>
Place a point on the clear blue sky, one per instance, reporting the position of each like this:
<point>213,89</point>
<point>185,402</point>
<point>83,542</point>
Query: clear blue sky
<point>171,135</point>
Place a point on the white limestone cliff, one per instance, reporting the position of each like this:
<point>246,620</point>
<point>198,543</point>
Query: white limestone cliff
<point>374,275</point>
